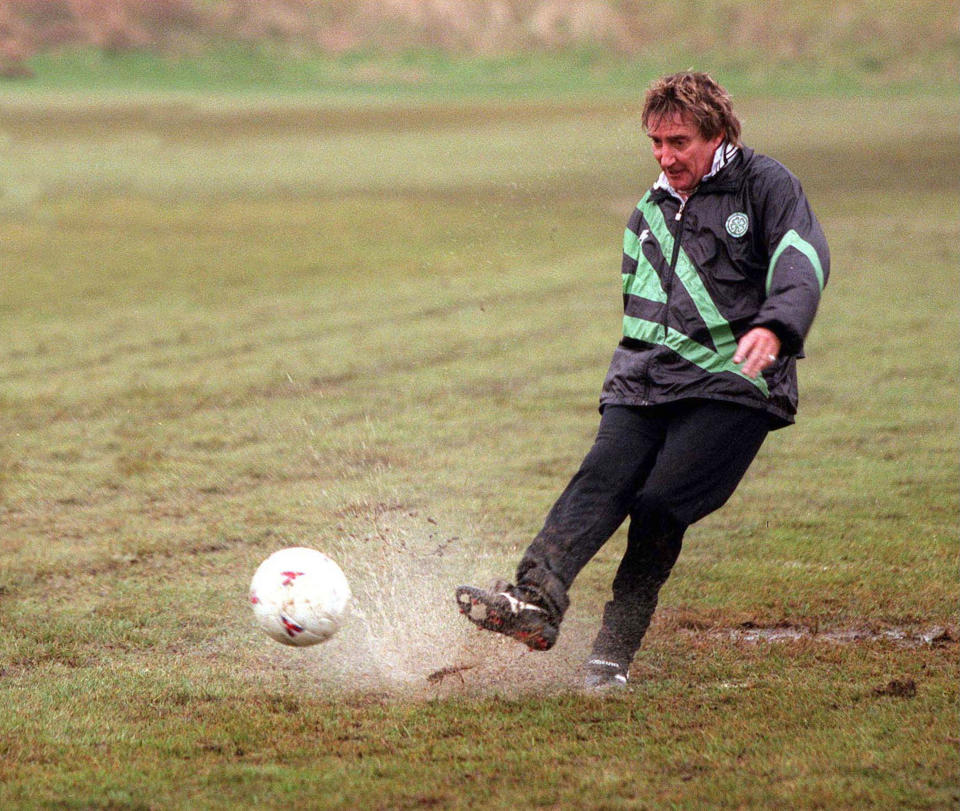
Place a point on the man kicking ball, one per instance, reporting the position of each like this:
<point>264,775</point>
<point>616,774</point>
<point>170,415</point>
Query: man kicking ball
<point>723,266</point>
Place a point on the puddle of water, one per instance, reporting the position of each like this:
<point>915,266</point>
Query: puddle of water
<point>937,636</point>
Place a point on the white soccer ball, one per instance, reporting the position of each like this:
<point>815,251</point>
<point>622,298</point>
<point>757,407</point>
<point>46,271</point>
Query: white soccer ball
<point>299,596</point>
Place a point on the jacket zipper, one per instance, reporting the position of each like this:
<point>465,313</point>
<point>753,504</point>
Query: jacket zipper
<point>678,218</point>
<point>668,285</point>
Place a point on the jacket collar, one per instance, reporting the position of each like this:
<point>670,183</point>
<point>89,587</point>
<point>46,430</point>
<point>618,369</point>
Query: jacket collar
<point>726,155</point>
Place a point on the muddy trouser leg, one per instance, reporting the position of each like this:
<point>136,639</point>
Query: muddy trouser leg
<point>666,467</point>
<point>595,502</point>
<point>645,567</point>
<point>705,454</point>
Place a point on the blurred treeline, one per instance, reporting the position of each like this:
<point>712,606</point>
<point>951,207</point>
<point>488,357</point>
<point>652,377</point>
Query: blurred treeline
<point>893,40</point>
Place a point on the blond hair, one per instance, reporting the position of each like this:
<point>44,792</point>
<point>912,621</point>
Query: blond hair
<point>695,96</point>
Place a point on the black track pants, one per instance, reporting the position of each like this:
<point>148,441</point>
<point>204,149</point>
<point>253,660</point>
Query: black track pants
<point>663,466</point>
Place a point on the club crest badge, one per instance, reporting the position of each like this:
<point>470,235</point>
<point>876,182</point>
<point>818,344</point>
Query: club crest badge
<point>737,224</point>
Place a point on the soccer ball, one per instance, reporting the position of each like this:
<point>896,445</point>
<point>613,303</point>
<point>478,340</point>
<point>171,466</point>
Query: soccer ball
<point>299,596</point>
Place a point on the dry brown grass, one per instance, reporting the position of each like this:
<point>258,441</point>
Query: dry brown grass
<point>875,34</point>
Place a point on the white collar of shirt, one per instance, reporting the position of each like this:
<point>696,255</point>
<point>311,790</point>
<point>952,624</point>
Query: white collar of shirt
<point>721,157</point>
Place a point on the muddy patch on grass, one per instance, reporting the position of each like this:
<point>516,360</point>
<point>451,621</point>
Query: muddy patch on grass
<point>897,688</point>
<point>749,633</point>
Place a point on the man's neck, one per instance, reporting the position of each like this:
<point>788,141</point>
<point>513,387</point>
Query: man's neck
<point>721,157</point>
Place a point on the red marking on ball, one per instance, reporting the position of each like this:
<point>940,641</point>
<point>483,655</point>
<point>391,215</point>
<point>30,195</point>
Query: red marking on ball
<point>289,577</point>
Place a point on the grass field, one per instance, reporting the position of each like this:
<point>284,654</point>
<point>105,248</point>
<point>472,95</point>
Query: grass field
<point>232,324</point>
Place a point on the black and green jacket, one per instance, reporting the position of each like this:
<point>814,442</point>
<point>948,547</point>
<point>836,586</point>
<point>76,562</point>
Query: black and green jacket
<point>744,250</point>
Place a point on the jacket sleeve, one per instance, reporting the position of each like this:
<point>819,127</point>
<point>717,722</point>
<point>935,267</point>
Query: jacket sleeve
<point>799,260</point>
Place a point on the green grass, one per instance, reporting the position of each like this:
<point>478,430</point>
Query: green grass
<point>484,48</point>
<point>913,52</point>
<point>233,324</point>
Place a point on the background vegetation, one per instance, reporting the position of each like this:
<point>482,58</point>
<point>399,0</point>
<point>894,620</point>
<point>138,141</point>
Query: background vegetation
<point>256,294</point>
<point>546,45</point>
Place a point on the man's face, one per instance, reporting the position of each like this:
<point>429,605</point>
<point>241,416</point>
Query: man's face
<point>684,155</point>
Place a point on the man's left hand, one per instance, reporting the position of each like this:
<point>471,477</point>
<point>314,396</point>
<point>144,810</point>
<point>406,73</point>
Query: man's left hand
<point>757,350</point>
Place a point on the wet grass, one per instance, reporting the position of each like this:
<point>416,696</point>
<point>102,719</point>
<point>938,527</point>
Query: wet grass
<point>235,325</point>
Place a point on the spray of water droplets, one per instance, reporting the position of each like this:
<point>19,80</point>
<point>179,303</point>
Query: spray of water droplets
<point>404,632</point>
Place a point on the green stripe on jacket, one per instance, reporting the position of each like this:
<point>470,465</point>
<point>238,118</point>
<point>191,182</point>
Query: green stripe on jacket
<point>792,239</point>
<point>646,284</point>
